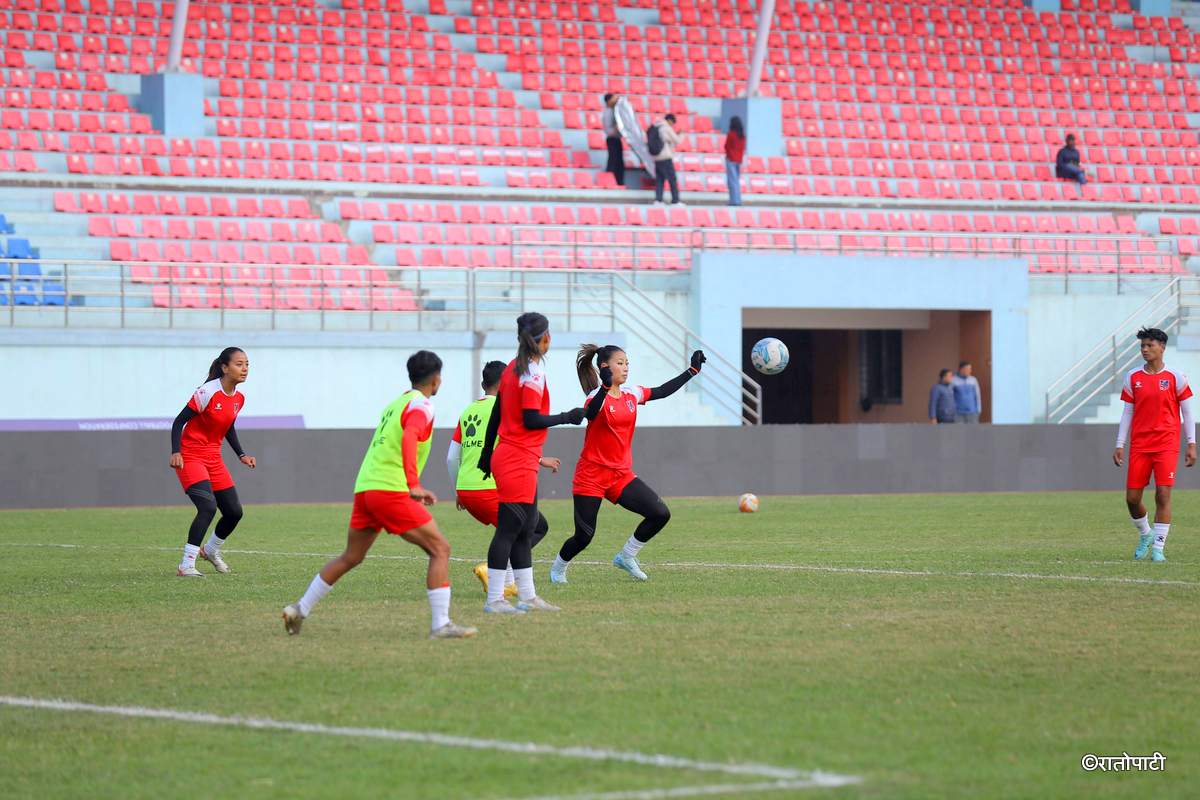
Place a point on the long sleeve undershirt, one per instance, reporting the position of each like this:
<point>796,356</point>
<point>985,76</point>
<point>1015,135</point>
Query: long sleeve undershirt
<point>453,461</point>
<point>187,415</point>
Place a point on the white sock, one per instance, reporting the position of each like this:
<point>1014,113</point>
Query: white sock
<point>632,547</point>
<point>495,585</point>
<point>509,580</point>
<point>1161,529</point>
<point>316,590</point>
<point>559,564</point>
<point>525,589</point>
<point>439,605</point>
<point>189,556</point>
<point>1142,525</point>
<point>213,545</point>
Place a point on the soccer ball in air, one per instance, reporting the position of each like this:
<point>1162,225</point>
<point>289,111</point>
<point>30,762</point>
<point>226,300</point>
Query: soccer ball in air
<point>769,356</point>
<point>747,503</point>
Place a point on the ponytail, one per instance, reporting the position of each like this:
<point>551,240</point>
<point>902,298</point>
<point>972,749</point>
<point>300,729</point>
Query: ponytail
<point>531,327</point>
<point>589,378</point>
<point>214,369</point>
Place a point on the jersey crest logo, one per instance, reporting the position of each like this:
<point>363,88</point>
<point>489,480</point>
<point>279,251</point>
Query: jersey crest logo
<point>1164,384</point>
<point>1137,385</point>
<point>629,405</point>
<point>236,406</point>
<point>218,406</point>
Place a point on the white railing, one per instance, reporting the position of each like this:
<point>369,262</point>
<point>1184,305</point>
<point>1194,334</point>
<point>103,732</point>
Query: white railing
<point>109,294</point>
<point>1101,368</point>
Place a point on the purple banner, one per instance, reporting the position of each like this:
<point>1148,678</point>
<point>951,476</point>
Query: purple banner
<point>246,423</point>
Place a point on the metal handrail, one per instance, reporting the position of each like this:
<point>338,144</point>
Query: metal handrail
<point>1102,352</point>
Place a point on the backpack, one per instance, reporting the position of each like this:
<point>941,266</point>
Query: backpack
<point>654,142</point>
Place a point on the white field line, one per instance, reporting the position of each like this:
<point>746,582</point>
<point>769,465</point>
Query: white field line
<point>696,565</point>
<point>655,760</point>
<point>819,781</point>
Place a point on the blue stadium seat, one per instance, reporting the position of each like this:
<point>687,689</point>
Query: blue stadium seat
<point>30,270</point>
<point>19,248</point>
<point>3,294</point>
<point>25,293</point>
<point>53,294</point>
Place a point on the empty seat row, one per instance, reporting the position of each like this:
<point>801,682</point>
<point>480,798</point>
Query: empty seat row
<point>293,298</point>
<point>212,230</point>
<point>228,253</point>
<point>244,275</point>
<point>192,205</point>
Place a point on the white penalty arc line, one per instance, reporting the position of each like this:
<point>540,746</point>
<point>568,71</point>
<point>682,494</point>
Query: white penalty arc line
<point>715,565</point>
<point>660,761</point>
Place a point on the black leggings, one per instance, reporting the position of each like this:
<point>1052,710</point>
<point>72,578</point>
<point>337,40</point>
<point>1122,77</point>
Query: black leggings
<point>208,503</point>
<point>519,527</point>
<point>637,497</point>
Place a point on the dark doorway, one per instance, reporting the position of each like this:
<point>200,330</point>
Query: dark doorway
<point>809,391</point>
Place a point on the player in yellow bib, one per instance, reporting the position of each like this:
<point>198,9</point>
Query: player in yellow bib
<point>388,495</point>
<point>477,494</point>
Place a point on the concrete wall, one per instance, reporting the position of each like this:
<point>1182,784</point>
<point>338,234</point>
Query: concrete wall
<point>726,284</point>
<point>59,469</point>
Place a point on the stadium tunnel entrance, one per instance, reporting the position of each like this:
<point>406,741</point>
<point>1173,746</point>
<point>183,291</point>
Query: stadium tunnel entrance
<point>865,365</point>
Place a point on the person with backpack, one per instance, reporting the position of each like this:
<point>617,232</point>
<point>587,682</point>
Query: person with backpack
<point>662,141</point>
<point>735,151</point>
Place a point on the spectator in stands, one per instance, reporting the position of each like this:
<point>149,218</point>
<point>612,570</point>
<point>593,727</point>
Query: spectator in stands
<point>1066,164</point>
<point>612,136</point>
<point>664,164</point>
<point>941,399</point>
<point>735,149</point>
<point>968,400</point>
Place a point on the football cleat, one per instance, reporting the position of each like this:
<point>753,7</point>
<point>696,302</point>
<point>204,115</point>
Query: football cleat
<point>214,559</point>
<point>558,575</point>
<point>1156,555</point>
<point>292,619</point>
<point>452,631</point>
<point>481,572</point>
<point>188,572</point>
<point>1143,546</point>
<point>630,565</point>
<point>538,604</point>
<point>503,607</point>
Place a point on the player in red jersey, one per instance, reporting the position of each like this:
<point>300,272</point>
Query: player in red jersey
<point>1155,398</point>
<point>476,494</point>
<point>605,468</point>
<point>196,437</point>
<point>520,419</point>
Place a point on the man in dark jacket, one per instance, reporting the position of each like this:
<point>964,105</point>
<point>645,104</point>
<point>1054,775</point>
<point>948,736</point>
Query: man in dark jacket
<point>612,138</point>
<point>1066,165</point>
<point>941,399</point>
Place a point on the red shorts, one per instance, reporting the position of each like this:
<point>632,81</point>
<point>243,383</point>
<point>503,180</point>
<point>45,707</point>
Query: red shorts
<point>1161,464</point>
<point>597,480</point>
<point>202,466</point>
<point>483,504</point>
<point>516,474</point>
<point>394,512</point>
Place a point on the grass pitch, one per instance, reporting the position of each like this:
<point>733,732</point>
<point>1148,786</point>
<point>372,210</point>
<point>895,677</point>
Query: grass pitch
<point>932,646</point>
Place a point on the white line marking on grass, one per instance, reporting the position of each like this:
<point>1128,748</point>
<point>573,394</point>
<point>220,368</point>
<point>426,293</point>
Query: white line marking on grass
<point>656,760</point>
<point>819,781</point>
<point>912,573</point>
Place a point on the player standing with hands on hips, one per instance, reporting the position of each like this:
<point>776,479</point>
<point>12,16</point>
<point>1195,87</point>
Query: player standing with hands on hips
<point>520,419</point>
<point>605,468</point>
<point>196,436</point>
<point>1155,398</point>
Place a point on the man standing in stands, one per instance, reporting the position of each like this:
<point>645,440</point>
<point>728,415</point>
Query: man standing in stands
<point>664,153</point>
<point>968,400</point>
<point>612,137</point>
<point>941,399</point>
<point>1066,164</point>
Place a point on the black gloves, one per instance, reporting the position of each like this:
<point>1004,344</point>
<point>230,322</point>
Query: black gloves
<point>485,465</point>
<point>698,359</point>
<point>575,415</point>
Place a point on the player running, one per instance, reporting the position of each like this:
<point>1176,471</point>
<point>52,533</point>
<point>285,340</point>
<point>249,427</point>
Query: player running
<point>1154,396</point>
<point>605,468</point>
<point>388,495</point>
<point>477,494</point>
<point>196,436</point>
<point>520,419</point>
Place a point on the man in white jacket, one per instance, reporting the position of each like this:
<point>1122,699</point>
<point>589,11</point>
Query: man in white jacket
<point>664,165</point>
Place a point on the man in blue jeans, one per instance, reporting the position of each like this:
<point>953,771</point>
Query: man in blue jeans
<point>941,399</point>
<point>968,400</point>
<point>1066,163</point>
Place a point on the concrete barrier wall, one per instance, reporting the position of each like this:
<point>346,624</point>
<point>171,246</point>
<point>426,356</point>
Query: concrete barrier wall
<point>70,468</point>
